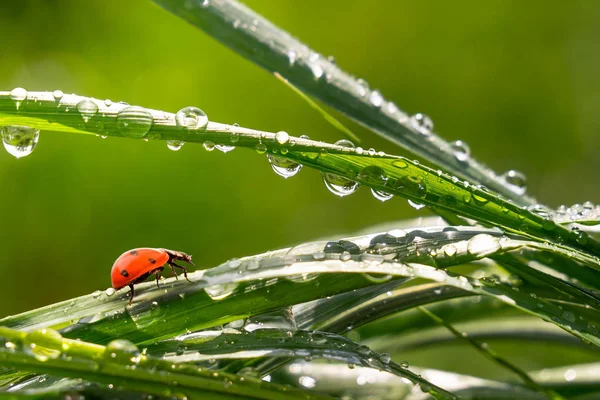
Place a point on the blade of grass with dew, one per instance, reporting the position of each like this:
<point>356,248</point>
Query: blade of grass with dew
<point>260,41</point>
<point>41,351</point>
<point>326,116</point>
<point>377,170</point>
<point>492,355</point>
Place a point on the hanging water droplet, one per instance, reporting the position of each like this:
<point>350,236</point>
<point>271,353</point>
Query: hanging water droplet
<point>44,344</point>
<point>208,145</point>
<point>460,150</point>
<point>381,195</point>
<point>18,95</point>
<point>175,145</point>
<point>57,94</point>
<point>191,118</point>
<point>284,167</point>
<point>517,180</point>
<point>415,205</point>
<point>376,99</point>
<point>282,137</point>
<point>19,141</point>
<point>134,121</point>
<point>224,148</point>
<point>260,148</point>
<point>315,66</point>
<point>339,185</point>
<point>422,123</point>
<point>292,56</point>
<point>87,108</point>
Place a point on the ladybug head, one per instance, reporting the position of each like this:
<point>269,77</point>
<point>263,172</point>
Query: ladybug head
<point>179,255</point>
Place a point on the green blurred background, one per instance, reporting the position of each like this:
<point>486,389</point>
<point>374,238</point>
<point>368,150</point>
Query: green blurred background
<point>517,80</point>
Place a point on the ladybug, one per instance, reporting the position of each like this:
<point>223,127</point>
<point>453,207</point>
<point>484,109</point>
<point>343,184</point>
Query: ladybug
<point>136,265</point>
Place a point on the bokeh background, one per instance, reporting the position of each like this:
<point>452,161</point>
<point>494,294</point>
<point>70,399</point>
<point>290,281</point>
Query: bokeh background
<point>519,81</point>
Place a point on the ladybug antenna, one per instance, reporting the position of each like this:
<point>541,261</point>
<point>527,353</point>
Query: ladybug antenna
<point>189,261</point>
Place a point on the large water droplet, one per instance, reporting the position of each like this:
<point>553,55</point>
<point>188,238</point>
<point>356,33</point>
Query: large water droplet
<point>282,137</point>
<point>43,344</point>
<point>122,351</point>
<point>415,205</point>
<point>134,121</point>
<point>460,150</point>
<point>175,145</point>
<point>191,118</point>
<point>422,123</point>
<point>18,95</point>
<point>87,108</point>
<point>57,94</point>
<point>517,181</point>
<point>19,141</point>
<point>381,195</point>
<point>220,291</point>
<point>339,185</point>
<point>224,148</point>
<point>284,167</point>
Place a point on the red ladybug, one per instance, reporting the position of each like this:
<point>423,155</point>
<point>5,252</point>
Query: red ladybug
<point>136,265</point>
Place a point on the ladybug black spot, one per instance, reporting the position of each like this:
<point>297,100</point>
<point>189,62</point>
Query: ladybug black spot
<point>124,273</point>
<point>133,252</point>
<point>152,260</point>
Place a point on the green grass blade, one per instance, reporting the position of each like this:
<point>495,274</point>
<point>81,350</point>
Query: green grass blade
<point>259,40</point>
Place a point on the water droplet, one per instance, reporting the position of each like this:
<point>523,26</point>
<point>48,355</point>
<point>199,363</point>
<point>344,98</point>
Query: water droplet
<point>134,121</point>
<point>19,141</point>
<point>108,102</point>
<point>220,291</point>
<point>282,137</point>
<point>363,87</point>
<point>482,245</point>
<point>284,167</point>
<point>381,195</point>
<point>191,118</point>
<point>57,94</point>
<point>339,185</point>
<point>404,364</point>
<point>415,205</point>
<point>260,148</point>
<point>376,99</point>
<point>224,148</point>
<point>307,381</point>
<point>205,3</point>
<point>412,185</point>
<point>422,123</point>
<point>292,56</point>
<point>385,358</point>
<point>570,375</point>
<point>175,145</point>
<point>516,180</point>
<point>43,344</point>
<point>109,292</point>
<point>460,150</point>
<point>208,145</point>
<point>87,108</point>
<point>122,351</point>
<point>18,95</point>
<point>96,294</point>
<point>341,246</point>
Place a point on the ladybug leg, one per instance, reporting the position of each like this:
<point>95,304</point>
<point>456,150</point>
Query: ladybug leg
<point>182,268</point>
<point>173,270</point>
<point>158,274</point>
<point>132,293</point>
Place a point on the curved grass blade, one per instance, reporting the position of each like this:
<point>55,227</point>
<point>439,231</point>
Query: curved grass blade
<point>123,365</point>
<point>377,170</point>
<point>259,40</point>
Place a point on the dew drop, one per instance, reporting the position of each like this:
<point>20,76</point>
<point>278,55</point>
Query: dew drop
<point>96,294</point>
<point>363,87</point>
<point>517,181</point>
<point>415,205</point>
<point>208,145</point>
<point>381,195</point>
<point>482,245</point>
<point>18,95</point>
<point>134,121</point>
<point>260,148</point>
<point>224,148</point>
<point>220,291</point>
<point>339,185</point>
<point>307,381</point>
<point>422,123</point>
<point>19,141</point>
<point>461,151</point>
<point>43,344</point>
<point>121,350</point>
<point>87,108</point>
<point>292,56</point>
<point>376,99</point>
<point>282,137</point>
<point>191,118</point>
<point>385,358</point>
<point>284,167</point>
<point>109,292</point>
<point>175,145</point>
<point>570,375</point>
<point>57,94</point>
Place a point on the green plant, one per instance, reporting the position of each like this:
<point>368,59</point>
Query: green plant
<point>501,264</point>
